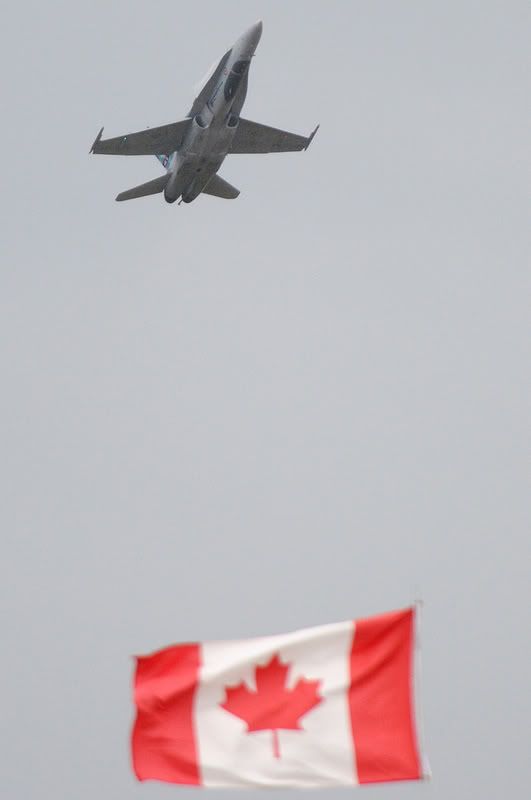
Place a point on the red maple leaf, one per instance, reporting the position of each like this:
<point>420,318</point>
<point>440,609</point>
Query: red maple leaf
<point>272,706</point>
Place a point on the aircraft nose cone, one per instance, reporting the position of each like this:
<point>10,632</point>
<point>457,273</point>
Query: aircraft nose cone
<point>252,36</point>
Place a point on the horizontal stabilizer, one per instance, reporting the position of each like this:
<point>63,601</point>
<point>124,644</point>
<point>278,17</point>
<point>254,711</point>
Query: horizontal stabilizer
<point>220,188</point>
<point>252,137</point>
<point>151,187</point>
<point>151,142</point>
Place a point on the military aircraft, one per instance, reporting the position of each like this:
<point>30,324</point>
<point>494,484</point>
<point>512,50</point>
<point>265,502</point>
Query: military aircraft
<point>193,149</point>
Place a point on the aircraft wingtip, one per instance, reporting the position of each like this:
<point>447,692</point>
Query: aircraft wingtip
<point>310,137</point>
<point>96,140</point>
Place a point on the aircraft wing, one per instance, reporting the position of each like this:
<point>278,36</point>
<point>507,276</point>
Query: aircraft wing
<point>151,142</point>
<point>252,137</point>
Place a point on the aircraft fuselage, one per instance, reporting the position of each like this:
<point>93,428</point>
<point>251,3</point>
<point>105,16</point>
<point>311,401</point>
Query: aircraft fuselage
<point>192,149</point>
<point>212,129</point>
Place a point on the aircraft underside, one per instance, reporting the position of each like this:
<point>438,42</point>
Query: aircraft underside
<point>249,138</point>
<point>193,149</point>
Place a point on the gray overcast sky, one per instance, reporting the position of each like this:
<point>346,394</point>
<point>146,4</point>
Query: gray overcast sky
<point>238,418</point>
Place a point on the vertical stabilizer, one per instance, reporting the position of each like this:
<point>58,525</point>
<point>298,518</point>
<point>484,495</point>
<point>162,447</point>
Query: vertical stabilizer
<point>164,160</point>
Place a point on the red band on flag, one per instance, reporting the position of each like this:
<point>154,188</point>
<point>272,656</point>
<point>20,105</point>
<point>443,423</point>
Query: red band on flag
<point>163,740</point>
<point>381,698</point>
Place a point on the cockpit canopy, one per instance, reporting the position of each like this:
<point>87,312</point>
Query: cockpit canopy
<point>239,68</point>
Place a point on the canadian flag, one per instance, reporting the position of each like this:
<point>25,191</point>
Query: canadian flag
<point>326,706</point>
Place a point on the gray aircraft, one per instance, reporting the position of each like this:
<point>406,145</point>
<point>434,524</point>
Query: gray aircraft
<point>192,150</point>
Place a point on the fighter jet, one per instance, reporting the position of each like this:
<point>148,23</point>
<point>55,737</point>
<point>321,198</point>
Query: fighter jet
<point>193,149</point>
